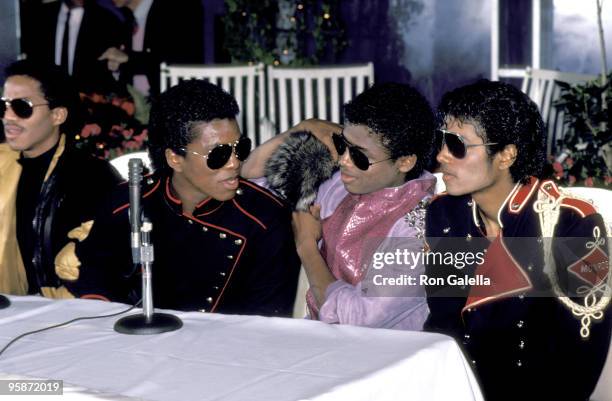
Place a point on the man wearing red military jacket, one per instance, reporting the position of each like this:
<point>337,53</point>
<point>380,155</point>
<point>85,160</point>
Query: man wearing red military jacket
<point>222,243</point>
<point>535,319</point>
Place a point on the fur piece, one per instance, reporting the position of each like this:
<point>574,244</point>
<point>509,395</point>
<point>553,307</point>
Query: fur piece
<point>298,167</point>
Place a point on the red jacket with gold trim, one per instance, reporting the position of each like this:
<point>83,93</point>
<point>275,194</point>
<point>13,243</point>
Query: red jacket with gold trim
<point>236,256</point>
<point>522,341</point>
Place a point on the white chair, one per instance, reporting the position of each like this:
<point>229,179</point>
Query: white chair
<point>541,87</point>
<point>244,82</point>
<point>120,163</point>
<point>295,94</point>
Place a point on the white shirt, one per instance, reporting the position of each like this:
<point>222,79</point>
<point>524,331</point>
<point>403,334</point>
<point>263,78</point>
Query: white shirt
<point>76,17</point>
<point>140,14</point>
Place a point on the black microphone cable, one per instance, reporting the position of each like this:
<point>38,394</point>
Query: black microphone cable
<point>27,333</point>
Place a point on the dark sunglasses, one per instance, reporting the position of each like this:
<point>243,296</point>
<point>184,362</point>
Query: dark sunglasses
<point>360,160</point>
<point>22,107</point>
<point>218,156</point>
<point>456,144</point>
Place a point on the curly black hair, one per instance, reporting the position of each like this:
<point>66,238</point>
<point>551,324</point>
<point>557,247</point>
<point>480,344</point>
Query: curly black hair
<point>176,112</point>
<point>58,89</point>
<point>503,114</point>
<point>401,117</point>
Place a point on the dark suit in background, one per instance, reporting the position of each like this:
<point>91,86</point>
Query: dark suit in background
<point>99,30</point>
<point>173,34</point>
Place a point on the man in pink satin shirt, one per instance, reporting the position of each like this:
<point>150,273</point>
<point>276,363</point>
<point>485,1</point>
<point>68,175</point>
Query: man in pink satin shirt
<point>375,201</point>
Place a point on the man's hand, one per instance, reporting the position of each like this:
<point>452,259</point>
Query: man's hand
<point>307,229</point>
<point>114,58</point>
<point>321,129</point>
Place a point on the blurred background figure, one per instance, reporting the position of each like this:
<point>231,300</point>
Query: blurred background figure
<point>157,31</point>
<point>72,34</point>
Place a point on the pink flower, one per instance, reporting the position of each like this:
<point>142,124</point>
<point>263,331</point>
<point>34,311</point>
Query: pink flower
<point>140,138</point>
<point>132,145</point>
<point>97,98</point>
<point>129,108</point>
<point>558,169</point>
<point>127,133</point>
<point>572,180</point>
<point>569,162</point>
<point>90,129</point>
<point>588,182</point>
<point>608,180</point>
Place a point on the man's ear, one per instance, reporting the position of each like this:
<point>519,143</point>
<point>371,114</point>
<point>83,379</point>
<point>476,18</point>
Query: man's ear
<point>507,156</point>
<point>174,161</point>
<point>406,163</point>
<point>59,115</point>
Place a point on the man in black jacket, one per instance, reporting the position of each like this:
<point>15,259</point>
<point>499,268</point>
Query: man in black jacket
<point>46,187</point>
<point>222,243</point>
<point>524,282</point>
<point>91,30</point>
<point>161,31</point>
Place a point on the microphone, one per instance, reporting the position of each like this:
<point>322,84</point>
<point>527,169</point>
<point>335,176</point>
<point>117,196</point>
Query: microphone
<point>134,179</point>
<point>149,322</point>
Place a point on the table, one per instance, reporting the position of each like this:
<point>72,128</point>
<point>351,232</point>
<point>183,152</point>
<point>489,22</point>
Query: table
<point>230,357</point>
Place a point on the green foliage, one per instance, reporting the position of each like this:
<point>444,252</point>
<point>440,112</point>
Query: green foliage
<point>253,32</point>
<point>587,144</point>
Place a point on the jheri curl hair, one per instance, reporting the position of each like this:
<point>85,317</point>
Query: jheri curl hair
<point>58,89</point>
<point>401,117</point>
<point>177,112</point>
<point>502,114</point>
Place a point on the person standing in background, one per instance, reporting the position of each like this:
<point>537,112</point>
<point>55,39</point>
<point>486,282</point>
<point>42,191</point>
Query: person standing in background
<point>72,34</point>
<point>161,31</point>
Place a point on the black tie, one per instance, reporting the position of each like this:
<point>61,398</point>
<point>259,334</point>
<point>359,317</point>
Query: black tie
<point>66,43</point>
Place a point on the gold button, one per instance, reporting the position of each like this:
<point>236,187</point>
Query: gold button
<point>209,300</point>
<point>222,235</point>
<point>238,242</point>
<point>230,257</point>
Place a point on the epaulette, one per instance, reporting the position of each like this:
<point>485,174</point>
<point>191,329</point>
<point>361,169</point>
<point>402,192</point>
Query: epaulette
<point>581,206</point>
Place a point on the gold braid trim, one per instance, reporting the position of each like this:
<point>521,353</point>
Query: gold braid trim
<point>548,210</point>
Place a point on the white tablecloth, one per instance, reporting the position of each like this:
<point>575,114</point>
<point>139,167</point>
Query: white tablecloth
<point>223,357</point>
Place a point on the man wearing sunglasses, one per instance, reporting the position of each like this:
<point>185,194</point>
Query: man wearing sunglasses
<point>46,186</point>
<point>533,328</point>
<point>376,201</point>
<point>222,243</point>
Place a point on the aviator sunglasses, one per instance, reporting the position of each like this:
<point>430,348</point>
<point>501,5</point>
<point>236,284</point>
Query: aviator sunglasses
<point>218,156</point>
<point>456,144</point>
<point>360,160</point>
<point>22,107</point>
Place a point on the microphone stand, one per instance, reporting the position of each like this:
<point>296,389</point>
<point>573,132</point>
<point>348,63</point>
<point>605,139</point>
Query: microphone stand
<point>149,322</point>
<point>4,302</point>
